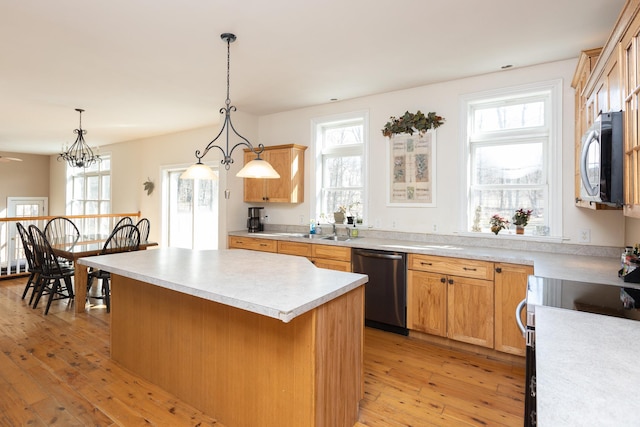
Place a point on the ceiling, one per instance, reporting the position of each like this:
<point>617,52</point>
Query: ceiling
<point>142,67</point>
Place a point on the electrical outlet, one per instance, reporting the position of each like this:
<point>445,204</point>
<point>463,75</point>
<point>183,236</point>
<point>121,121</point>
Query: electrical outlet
<point>301,219</point>
<point>435,228</point>
<point>584,235</point>
<point>377,223</point>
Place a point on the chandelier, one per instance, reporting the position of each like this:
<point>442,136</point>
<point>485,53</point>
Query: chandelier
<point>79,155</point>
<point>257,168</point>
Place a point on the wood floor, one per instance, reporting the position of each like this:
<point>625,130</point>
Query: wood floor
<point>55,370</point>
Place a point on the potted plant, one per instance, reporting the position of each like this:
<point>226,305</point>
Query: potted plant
<point>338,216</point>
<point>498,223</point>
<point>521,219</point>
<point>410,123</point>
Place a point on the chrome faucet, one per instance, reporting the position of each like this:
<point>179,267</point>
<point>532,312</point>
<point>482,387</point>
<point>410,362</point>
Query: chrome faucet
<point>335,233</point>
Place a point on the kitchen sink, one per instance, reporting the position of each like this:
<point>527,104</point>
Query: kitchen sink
<point>337,238</point>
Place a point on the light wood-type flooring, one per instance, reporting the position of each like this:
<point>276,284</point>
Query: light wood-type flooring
<point>55,370</point>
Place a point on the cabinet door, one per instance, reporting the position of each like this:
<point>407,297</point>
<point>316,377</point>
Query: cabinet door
<point>470,310</point>
<point>427,302</point>
<point>279,190</point>
<point>254,188</point>
<point>510,289</point>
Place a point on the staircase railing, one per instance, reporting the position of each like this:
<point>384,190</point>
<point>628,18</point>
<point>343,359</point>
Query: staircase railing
<point>12,260</point>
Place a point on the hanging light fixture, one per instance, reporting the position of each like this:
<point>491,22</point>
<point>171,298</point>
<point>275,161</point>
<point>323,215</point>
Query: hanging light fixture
<point>79,155</point>
<point>257,168</point>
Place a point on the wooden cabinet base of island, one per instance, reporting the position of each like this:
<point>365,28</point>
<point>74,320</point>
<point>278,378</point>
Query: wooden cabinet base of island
<point>243,368</point>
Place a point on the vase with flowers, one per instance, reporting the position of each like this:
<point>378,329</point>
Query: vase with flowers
<point>498,223</point>
<point>521,219</point>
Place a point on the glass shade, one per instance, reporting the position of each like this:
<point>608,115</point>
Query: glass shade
<point>258,168</point>
<point>199,171</point>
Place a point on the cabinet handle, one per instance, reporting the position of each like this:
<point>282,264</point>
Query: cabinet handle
<point>263,244</point>
<point>498,269</point>
<point>469,269</point>
<point>425,263</point>
<point>451,281</point>
<point>443,280</point>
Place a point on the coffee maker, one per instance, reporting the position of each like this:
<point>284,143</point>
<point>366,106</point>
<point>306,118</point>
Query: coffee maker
<point>254,221</point>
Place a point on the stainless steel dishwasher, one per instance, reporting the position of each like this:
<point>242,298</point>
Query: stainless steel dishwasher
<point>385,294</point>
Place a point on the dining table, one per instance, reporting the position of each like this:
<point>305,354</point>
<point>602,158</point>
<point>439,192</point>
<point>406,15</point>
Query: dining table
<point>73,248</point>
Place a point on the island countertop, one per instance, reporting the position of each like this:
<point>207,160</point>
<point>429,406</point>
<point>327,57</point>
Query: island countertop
<point>586,368</point>
<point>274,285</point>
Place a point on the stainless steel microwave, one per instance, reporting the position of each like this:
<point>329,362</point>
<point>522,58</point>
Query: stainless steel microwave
<point>601,158</point>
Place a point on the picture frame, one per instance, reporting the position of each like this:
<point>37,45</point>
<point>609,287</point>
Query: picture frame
<point>412,170</point>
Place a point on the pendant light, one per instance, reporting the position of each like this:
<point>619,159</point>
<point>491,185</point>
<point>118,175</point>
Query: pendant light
<point>79,155</point>
<point>257,168</point>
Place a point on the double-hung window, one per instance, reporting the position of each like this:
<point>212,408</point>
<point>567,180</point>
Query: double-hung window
<point>89,193</point>
<point>340,166</point>
<point>514,158</point>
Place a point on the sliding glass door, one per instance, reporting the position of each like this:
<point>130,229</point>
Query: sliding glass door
<point>191,211</point>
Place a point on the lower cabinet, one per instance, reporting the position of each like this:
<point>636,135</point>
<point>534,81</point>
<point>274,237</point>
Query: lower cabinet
<point>322,256</point>
<point>331,257</point>
<point>510,289</point>
<point>458,306</point>
<point>468,301</point>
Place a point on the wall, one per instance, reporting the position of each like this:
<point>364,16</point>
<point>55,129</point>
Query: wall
<point>28,178</point>
<point>607,227</point>
<point>133,162</point>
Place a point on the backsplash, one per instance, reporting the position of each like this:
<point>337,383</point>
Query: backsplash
<point>502,242</point>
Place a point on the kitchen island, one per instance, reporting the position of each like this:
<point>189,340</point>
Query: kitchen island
<point>249,338</point>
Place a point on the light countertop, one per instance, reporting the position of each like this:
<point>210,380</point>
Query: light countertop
<point>576,267</point>
<point>278,286</point>
<point>587,369</point>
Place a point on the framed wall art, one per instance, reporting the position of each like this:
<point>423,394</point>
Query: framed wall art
<point>412,170</point>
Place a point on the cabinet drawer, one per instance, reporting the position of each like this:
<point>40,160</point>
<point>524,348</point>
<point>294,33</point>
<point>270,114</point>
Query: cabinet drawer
<point>452,266</point>
<point>338,253</point>
<point>332,264</point>
<point>294,248</point>
<point>254,244</point>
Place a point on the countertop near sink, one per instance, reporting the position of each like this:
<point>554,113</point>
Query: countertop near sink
<point>576,267</point>
<point>587,369</point>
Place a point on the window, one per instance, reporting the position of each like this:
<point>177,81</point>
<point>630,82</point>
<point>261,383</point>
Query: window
<point>340,166</point>
<point>89,193</point>
<point>513,158</point>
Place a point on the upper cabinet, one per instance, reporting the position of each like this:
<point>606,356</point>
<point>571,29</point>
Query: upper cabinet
<point>288,161</point>
<point>631,65</point>
<point>606,80</point>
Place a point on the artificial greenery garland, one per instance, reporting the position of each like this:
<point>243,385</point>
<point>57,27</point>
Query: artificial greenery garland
<point>410,122</point>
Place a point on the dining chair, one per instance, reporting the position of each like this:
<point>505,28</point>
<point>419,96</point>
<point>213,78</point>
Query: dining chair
<point>144,225</point>
<point>61,229</point>
<point>123,221</point>
<point>33,266</point>
<point>123,239</point>
<point>55,277</point>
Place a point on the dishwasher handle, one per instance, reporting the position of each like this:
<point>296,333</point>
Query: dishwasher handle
<point>519,309</point>
<point>377,254</point>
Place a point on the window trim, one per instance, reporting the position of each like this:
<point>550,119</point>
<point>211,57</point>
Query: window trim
<point>553,153</point>
<point>316,164</point>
